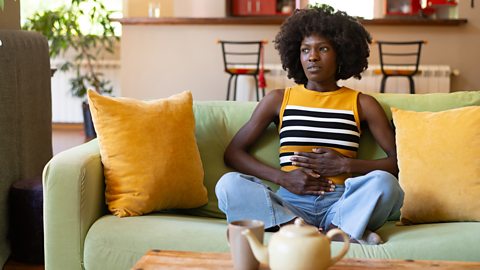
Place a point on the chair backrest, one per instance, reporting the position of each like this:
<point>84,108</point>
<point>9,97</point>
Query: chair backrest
<point>400,55</point>
<point>241,57</point>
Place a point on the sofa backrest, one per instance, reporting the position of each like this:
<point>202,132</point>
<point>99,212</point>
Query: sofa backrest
<point>218,121</point>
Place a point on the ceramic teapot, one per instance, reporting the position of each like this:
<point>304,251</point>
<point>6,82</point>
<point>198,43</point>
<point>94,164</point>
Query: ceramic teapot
<point>297,246</point>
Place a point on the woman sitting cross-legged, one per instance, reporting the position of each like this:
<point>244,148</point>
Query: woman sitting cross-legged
<point>319,125</point>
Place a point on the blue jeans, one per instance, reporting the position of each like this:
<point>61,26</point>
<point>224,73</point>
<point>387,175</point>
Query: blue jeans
<point>364,202</point>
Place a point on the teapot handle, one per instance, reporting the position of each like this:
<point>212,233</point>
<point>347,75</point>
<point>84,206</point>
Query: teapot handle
<point>346,244</point>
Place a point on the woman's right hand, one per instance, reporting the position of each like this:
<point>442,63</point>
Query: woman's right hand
<point>306,182</point>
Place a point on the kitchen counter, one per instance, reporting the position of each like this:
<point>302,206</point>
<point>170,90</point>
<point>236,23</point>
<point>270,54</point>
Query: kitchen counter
<point>277,20</point>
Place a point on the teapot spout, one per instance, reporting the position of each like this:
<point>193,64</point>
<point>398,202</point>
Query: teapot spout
<point>259,250</point>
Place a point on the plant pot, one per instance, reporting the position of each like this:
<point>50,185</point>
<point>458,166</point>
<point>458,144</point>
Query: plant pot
<point>88,123</point>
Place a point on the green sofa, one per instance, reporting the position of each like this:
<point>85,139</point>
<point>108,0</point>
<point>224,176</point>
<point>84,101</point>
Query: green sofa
<point>81,234</point>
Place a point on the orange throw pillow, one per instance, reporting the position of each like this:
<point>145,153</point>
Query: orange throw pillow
<point>149,153</point>
<point>439,160</point>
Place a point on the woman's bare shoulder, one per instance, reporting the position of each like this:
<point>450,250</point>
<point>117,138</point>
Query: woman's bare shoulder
<point>368,105</point>
<point>277,93</point>
<point>270,104</point>
<point>366,98</point>
<point>273,97</point>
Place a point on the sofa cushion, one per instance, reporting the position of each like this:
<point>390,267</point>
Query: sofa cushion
<point>150,157</point>
<point>419,102</point>
<point>438,158</point>
<point>218,121</point>
<point>216,124</point>
<point>105,250</point>
<point>454,241</point>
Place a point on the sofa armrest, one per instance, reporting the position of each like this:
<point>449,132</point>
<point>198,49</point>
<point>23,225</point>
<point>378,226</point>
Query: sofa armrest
<point>73,193</point>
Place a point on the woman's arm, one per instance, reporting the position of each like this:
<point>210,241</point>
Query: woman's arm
<point>301,181</point>
<point>328,162</point>
<point>371,112</point>
<point>237,156</point>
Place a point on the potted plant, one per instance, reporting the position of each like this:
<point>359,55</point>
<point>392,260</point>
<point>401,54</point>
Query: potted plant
<point>64,32</point>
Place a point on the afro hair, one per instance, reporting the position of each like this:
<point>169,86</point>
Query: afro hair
<point>349,38</point>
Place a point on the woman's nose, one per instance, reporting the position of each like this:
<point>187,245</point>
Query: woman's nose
<point>313,56</point>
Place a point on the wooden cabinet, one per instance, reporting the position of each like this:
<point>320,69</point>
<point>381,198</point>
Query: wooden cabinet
<point>259,7</point>
<point>254,7</point>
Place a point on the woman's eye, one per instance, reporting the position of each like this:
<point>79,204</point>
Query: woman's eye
<point>304,50</point>
<point>324,49</point>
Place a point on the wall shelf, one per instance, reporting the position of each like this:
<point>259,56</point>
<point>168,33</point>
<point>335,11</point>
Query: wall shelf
<point>415,21</point>
<point>277,20</point>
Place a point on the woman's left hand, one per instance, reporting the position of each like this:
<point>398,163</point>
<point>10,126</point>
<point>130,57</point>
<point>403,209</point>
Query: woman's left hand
<point>324,161</point>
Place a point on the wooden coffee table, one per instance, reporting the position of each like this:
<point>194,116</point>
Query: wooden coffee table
<point>164,259</point>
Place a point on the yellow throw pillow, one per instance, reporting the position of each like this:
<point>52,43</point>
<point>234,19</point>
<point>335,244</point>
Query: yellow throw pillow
<point>439,160</point>
<point>149,153</point>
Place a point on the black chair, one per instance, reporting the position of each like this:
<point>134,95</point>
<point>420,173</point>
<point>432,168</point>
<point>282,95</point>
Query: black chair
<point>244,58</point>
<point>399,59</point>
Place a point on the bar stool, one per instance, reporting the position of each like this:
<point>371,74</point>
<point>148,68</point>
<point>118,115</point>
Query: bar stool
<point>399,59</point>
<point>244,58</point>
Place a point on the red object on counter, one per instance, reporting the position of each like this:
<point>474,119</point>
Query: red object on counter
<point>254,7</point>
<point>402,7</point>
<point>441,2</point>
<point>444,9</point>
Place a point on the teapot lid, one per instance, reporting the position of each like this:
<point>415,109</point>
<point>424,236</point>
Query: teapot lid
<point>299,228</point>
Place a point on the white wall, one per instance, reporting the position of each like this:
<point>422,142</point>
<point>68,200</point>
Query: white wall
<point>199,8</point>
<point>456,46</point>
<point>161,60</point>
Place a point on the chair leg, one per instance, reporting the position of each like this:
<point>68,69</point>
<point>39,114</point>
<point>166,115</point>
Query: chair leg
<point>235,87</point>
<point>382,84</point>
<point>256,86</point>
<point>228,87</point>
<point>412,85</point>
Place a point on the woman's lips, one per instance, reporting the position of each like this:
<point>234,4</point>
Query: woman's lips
<point>313,68</point>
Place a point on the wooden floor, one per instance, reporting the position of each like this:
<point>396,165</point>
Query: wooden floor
<point>12,265</point>
<point>64,136</point>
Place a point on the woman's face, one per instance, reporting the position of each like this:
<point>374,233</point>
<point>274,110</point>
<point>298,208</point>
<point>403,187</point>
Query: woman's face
<point>319,60</point>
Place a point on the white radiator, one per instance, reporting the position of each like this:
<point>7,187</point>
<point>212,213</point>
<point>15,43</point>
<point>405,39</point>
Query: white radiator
<point>431,79</point>
<point>67,108</point>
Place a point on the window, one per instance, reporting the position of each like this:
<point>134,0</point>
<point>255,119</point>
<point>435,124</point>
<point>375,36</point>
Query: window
<point>29,7</point>
<point>357,8</point>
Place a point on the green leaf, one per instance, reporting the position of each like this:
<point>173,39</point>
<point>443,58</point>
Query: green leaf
<point>62,29</point>
<point>324,7</point>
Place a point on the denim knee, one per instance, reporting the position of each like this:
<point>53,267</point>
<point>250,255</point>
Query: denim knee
<point>226,184</point>
<point>387,184</point>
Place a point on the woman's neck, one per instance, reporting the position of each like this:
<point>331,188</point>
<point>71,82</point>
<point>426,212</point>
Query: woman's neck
<point>322,87</point>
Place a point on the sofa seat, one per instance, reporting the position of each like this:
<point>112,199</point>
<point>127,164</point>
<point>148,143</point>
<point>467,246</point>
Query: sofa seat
<point>437,241</point>
<point>113,242</point>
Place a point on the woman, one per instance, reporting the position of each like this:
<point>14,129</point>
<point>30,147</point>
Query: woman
<point>319,127</point>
